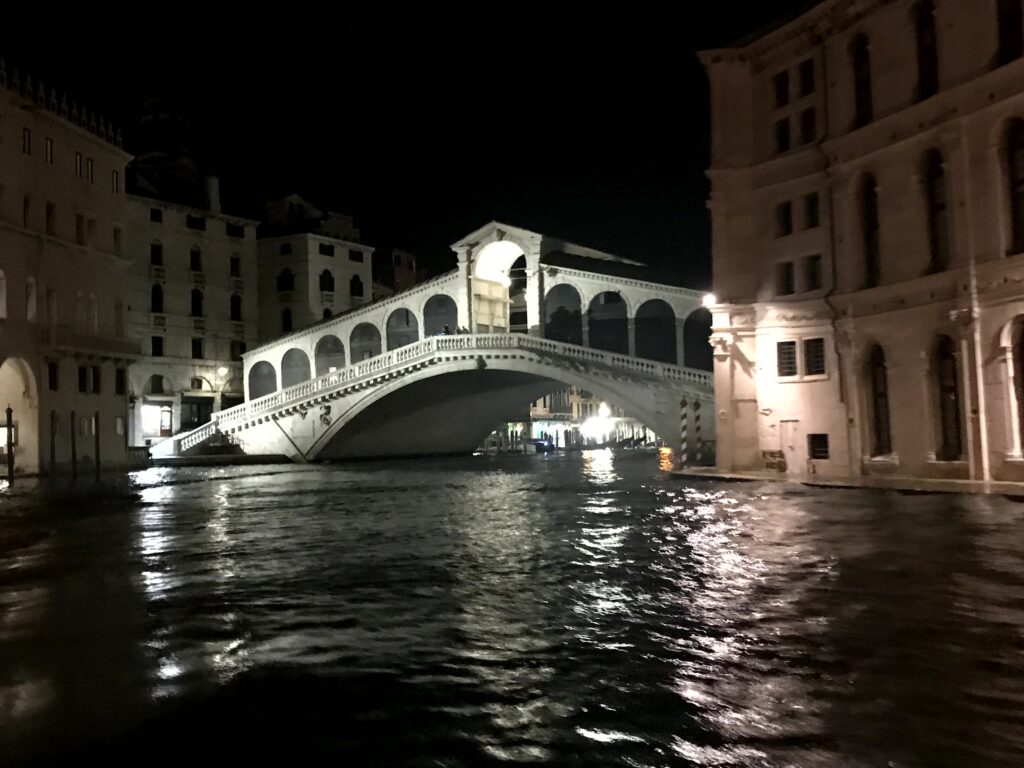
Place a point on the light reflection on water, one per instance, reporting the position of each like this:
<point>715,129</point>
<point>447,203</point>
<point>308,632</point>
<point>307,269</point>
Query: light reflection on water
<point>561,610</point>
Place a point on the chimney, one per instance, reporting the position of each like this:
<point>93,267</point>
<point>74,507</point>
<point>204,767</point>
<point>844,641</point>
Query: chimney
<point>213,194</point>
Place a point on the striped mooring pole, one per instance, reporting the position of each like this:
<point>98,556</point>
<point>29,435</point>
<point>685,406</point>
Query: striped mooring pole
<point>696,428</point>
<point>683,428</point>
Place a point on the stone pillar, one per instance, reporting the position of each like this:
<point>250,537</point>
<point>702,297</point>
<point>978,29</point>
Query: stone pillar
<point>585,324</point>
<point>534,292</point>
<point>1013,423</point>
<point>464,290</point>
<point>680,341</point>
<point>631,335</point>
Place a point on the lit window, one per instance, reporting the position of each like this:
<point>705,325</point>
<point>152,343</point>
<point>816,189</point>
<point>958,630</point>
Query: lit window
<point>814,357</point>
<point>786,353</point>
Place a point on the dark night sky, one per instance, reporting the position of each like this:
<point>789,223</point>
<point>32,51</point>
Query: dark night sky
<point>426,120</point>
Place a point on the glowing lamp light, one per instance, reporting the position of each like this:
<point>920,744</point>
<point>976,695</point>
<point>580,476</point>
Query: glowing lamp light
<point>222,371</point>
<point>710,300</point>
<point>598,427</point>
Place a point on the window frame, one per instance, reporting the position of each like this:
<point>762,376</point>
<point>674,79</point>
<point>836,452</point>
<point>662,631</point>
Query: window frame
<point>801,374</point>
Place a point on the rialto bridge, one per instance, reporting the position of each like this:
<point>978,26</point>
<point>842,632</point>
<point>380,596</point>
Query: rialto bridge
<point>434,369</point>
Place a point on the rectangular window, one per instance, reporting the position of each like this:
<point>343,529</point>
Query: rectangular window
<point>354,255</point>
<point>26,140</point>
<point>115,181</point>
<point>807,77</point>
<point>234,230</point>
<point>90,231</point>
<point>156,215</point>
<point>78,164</point>
<point>120,381</point>
<point>812,273</point>
<point>195,383</point>
<point>814,357</point>
<point>326,249</point>
<point>785,351</point>
<point>80,229</point>
<point>156,254</point>
<point>781,85</point>
<point>808,126</point>
<point>784,282</point>
<point>117,240</point>
<point>53,376</point>
<point>157,346</point>
<point>119,425</point>
<point>26,211</point>
<point>782,142</point>
<point>817,446</point>
<point>235,267</point>
<point>83,379</point>
<point>197,349</point>
<point>195,260</point>
<point>51,218</point>
<point>237,350</point>
<point>784,219</point>
<point>285,249</point>
<point>812,211</point>
<point>49,151</point>
<point>196,222</point>
<point>96,380</point>
<point>89,169</point>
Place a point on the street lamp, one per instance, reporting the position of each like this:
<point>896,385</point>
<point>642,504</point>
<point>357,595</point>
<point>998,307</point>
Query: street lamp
<point>710,300</point>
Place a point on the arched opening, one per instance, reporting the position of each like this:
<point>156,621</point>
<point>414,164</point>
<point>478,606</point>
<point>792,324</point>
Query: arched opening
<point>947,387</point>
<point>927,50</point>
<point>440,315</point>
<point>294,368</point>
<point>329,355</point>
<point>364,342</point>
<point>285,280</point>
<point>1015,177</point>
<point>30,299</point>
<point>493,270</point>
<point>402,328</point>
<point>355,287</point>
<point>655,329</point>
<point>863,101</point>
<point>158,385</point>
<point>236,307</point>
<point>1011,31</point>
<point>286,320</point>
<point>607,323</point>
<point>870,232</point>
<point>197,303</point>
<point>18,390</point>
<point>937,210</point>
<point>262,380</point>
<point>697,352</point>
<point>563,314</point>
<point>327,281</point>
<point>877,378</point>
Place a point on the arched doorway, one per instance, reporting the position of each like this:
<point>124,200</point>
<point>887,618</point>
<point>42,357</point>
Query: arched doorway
<point>697,351</point>
<point>606,319</point>
<point>563,314</point>
<point>877,378</point>
<point>949,444</point>
<point>329,354</point>
<point>403,328</point>
<point>18,390</point>
<point>232,394</point>
<point>656,332</point>
<point>294,368</point>
<point>440,315</point>
<point>492,279</point>
<point>262,380</point>
<point>364,342</point>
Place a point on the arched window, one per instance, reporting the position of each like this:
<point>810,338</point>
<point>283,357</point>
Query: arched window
<point>1017,361</point>
<point>947,385</point>
<point>860,59</point>
<point>156,298</point>
<point>286,320</point>
<point>869,232</point>
<point>286,281</point>
<point>878,402</point>
<point>938,211</point>
<point>563,314</point>
<point>294,368</point>
<point>236,307</point>
<point>1015,168</point>
<point>30,299</point>
<point>927,50</point>
<point>1011,31</point>
<point>327,281</point>
<point>195,259</point>
<point>262,379</point>
<point>156,384</point>
<point>197,303</point>
<point>355,287</point>
<point>3,295</point>
<point>93,317</point>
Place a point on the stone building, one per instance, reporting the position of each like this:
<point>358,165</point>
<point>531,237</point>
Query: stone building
<point>868,233</point>
<point>311,265</point>
<point>63,348</point>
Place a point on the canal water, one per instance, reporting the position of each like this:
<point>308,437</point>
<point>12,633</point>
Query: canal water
<point>581,610</point>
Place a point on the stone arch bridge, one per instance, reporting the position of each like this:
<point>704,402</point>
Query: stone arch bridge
<point>434,369</point>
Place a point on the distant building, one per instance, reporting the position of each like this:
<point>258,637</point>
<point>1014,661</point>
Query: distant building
<point>394,270</point>
<point>64,352</point>
<point>312,266</point>
<point>868,220</point>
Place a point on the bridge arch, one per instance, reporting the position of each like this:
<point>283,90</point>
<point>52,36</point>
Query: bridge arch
<point>262,379</point>
<point>294,368</point>
<point>495,260</point>
<point>655,328</point>
<point>364,342</point>
<point>402,328</point>
<point>440,315</point>
<point>329,354</point>
<point>608,322</point>
<point>563,314</point>
<point>697,351</point>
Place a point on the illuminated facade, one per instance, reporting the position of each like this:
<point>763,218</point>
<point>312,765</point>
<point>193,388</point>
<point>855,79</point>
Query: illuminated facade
<point>64,352</point>
<point>868,233</point>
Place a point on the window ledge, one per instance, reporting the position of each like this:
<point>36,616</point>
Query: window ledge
<point>888,460</point>
<point>1014,460</point>
<point>953,463</point>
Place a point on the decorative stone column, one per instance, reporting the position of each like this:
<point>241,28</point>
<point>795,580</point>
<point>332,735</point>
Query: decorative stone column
<point>631,335</point>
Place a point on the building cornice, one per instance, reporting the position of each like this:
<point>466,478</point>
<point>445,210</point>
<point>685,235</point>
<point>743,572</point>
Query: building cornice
<point>154,202</point>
